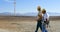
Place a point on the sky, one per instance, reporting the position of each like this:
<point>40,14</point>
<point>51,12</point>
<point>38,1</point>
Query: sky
<point>25,6</point>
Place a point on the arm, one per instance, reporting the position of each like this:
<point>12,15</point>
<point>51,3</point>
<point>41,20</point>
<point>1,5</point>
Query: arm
<point>37,18</point>
<point>47,19</point>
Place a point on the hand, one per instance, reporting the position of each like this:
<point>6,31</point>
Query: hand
<point>46,20</point>
<point>46,26</point>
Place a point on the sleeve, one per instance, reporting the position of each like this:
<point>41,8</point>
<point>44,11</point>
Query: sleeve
<point>47,16</point>
<point>47,19</point>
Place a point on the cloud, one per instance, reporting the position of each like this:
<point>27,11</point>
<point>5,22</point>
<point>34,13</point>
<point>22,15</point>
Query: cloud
<point>9,0</point>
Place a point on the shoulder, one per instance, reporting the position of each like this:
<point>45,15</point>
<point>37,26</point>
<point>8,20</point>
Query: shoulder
<point>47,14</point>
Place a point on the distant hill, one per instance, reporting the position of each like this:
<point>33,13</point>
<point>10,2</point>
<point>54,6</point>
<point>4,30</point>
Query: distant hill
<point>27,14</point>
<point>30,14</point>
<point>53,14</point>
<point>9,14</point>
<point>35,14</point>
<point>6,14</point>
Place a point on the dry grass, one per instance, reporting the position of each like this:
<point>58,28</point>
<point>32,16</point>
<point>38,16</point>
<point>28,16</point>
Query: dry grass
<point>25,25</point>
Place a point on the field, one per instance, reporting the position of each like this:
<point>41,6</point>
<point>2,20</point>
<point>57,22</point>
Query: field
<point>25,24</point>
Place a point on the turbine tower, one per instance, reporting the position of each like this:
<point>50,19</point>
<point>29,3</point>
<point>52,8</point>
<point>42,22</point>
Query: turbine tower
<point>14,7</point>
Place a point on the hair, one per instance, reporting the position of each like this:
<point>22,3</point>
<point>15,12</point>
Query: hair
<point>39,8</point>
<point>43,10</point>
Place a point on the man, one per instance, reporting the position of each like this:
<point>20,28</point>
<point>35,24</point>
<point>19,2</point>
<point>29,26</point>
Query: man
<point>39,19</point>
<point>45,20</point>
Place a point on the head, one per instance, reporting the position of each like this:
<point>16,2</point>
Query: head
<point>39,8</point>
<point>43,11</point>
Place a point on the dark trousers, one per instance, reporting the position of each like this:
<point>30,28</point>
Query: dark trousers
<point>42,27</point>
<point>39,25</point>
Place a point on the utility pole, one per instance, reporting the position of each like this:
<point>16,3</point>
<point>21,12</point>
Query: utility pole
<point>14,7</point>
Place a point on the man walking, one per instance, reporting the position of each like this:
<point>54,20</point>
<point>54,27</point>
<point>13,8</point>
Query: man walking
<point>39,19</point>
<point>45,21</point>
